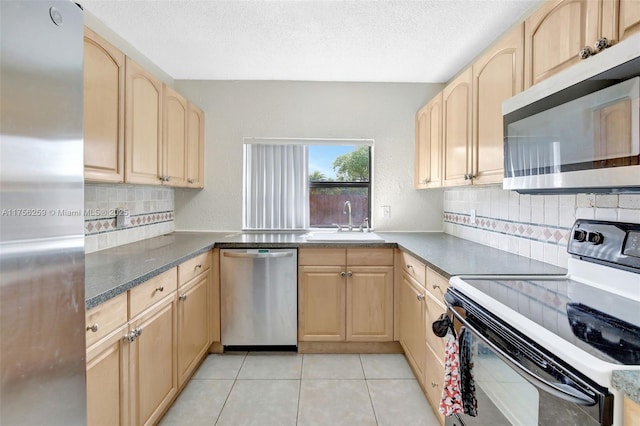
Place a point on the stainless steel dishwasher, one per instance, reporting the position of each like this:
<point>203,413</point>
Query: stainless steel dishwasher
<point>259,298</point>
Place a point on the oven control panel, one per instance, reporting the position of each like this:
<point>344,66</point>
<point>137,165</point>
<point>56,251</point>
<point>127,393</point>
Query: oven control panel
<point>614,243</point>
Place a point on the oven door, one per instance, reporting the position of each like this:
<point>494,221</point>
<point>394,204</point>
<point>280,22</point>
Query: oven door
<point>517,384</point>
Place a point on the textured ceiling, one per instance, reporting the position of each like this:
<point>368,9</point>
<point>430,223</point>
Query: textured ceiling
<point>374,41</point>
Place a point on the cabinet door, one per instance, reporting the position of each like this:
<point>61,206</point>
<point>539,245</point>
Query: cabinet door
<point>428,173</point>
<point>555,33</point>
<point>433,379</point>
<point>456,101</point>
<point>104,72</point>
<point>214,311</point>
<point>193,325</point>
<point>143,129</point>
<point>108,381</point>
<point>153,362</point>
<point>370,303</point>
<point>497,76</point>
<point>629,18</point>
<point>321,303</point>
<point>412,324</point>
<point>195,148</point>
<point>174,138</point>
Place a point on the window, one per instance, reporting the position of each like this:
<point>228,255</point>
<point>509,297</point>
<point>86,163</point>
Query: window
<point>337,174</point>
<point>297,184</point>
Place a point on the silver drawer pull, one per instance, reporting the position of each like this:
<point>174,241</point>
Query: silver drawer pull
<point>93,328</point>
<point>160,289</point>
<point>198,266</point>
<point>183,297</point>
<point>420,297</point>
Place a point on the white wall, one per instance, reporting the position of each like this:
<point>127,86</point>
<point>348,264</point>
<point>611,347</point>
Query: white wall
<point>383,112</point>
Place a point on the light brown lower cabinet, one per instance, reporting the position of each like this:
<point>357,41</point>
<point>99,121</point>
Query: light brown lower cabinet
<point>345,295</point>
<point>108,380</point>
<point>412,323</point>
<point>193,325</point>
<point>137,364</point>
<point>433,377</point>
<point>631,412</point>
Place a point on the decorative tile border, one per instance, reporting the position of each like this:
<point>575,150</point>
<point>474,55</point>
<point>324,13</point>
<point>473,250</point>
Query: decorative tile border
<point>104,225</point>
<point>557,235</point>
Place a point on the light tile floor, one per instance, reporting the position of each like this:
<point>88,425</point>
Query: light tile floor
<point>284,389</point>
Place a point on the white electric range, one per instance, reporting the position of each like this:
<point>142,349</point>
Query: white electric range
<point>545,347</point>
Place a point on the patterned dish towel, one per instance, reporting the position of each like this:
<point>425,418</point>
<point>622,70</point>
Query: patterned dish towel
<point>467,383</point>
<point>451,400</point>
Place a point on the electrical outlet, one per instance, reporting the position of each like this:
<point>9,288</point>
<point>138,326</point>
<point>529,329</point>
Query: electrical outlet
<point>473,216</point>
<point>123,219</point>
<point>386,211</point>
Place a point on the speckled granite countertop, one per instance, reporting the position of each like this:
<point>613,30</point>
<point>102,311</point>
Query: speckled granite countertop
<point>628,382</point>
<point>114,271</point>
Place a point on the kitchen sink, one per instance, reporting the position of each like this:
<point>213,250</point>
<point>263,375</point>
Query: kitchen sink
<point>344,236</point>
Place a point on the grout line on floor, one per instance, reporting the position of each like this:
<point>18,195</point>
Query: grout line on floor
<point>366,383</point>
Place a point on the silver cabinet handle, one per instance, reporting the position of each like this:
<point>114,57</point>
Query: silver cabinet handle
<point>183,297</point>
<point>160,289</point>
<point>198,266</point>
<point>191,180</point>
<point>135,333</point>
<point>349,274</point>
<point>411,267</point>
<point>601,44</point>
<point>420,297</point>
<point>93,327</point>
<point>434,385</point>
<point>343,274</point>
<point>435,286</point>
<point>585,52</point>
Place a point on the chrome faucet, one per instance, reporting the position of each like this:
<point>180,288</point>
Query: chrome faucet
<point>347,207</point>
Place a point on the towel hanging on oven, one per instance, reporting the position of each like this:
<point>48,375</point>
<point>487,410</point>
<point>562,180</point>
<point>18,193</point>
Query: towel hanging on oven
<point>451,399</point>
<point>467,382</point>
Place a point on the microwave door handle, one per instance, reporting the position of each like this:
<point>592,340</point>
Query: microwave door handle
<point>559,390</point>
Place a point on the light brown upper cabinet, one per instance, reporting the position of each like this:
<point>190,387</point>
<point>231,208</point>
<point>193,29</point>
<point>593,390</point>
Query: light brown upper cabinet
<point>195,147</point>
<point>174,138</point>
<point>428,145</point>
<point>104,83</point>
<point>497,76</point>
<point>456,105</point>
<point>555,34</point>
<point>629,18</point>
<point>143,132</point>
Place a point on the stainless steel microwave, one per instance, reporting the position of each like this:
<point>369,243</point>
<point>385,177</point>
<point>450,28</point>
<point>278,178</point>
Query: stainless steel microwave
<point>578,131</point>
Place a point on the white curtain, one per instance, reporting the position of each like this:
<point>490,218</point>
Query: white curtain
<point>276,189</point>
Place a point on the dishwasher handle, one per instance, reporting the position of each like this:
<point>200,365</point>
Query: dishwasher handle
<point>257,255</point>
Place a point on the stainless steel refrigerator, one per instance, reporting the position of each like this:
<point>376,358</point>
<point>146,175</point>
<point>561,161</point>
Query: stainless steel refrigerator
<point>42,336</point>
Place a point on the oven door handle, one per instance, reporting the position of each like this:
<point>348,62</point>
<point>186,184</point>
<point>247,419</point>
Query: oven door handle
<point>559,390</point>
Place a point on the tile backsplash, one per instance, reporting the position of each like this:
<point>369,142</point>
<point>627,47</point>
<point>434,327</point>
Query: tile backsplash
<point>534,226</point>
<point>151,210</point>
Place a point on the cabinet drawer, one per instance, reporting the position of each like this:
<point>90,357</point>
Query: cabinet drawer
<point>437,285</point>
<point>152,291</point>
<point>193,267</point>
<point>434,310</point>
<point>105,318</point>
<point>369,257</point>
<point>413,267</point>
<point>322,257</point>
<point>433,378</point>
